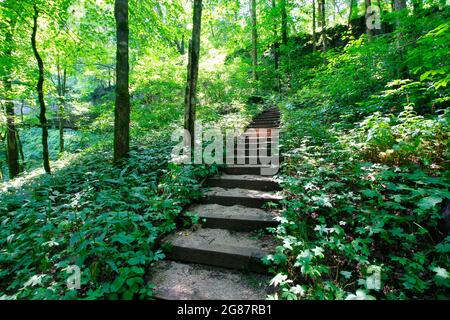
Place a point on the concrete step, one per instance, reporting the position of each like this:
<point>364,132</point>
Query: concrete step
<point>251,160</point>
<point>237,196</point>
<point>262,125</point>
<point>179,281</point>
<point>221,248</point>
<point>245,169</point>
<point>244,181</point>
<point>266,119</point>
<point>237,218</point>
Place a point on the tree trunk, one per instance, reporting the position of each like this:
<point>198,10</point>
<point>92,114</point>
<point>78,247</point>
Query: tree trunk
<point>402,70</point>
<point>192,74</point>
<point>22,157</point>
<point>369,31</point>
<point>275,48</point>
<point>40,91</point>
<point>62,77</point>
<point>324,26</point>
<point>398,6</point>
<point>12,148</point>
<point>284,29</point>
<point>122,104</point>
<point>353,9</point>
<point>314,25</point>
<point>254,39</point>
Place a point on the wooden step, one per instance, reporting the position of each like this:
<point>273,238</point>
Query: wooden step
<point>237,218</point>
<point>219,247</point>
<point>180,281</point>
<point>238,196</point>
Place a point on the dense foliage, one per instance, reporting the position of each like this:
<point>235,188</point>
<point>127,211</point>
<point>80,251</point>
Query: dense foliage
<point>365,136</point>
<point>367,175</point>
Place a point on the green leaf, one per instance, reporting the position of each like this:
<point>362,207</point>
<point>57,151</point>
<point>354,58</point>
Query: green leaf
<point>429,202</point>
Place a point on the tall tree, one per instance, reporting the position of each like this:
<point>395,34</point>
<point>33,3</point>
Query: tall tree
<point>276,47</point>
<point>353,10</point>
<point>40,91</point>
<point>254,39</point>
<point>314,25</point>
<point>400,6</point>
<point>324,26</point>
<point>192,74</point>
<point>61,89</point>
<point>122,106</point>
<point>369,31</point>
<point>284,28</point>
<point>12,147</point>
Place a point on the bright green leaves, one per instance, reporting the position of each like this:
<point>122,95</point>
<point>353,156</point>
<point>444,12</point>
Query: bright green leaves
<point>100,218</point>
<point>429,202</point>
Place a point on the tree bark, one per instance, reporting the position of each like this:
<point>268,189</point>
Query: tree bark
<point>398,6</point>
<point>122,103</point>
<point>275,48</point>
<point>19,144</point>
<point>40,91</point>
<point>402,70</point>
<point>369,32</point>
<point>254,39</point>
<point>314,25</point>
<point>324,26</point>
<point>284,29</point>
<point>190,99</point>
<point>11,132</point>
<point>62,78</point>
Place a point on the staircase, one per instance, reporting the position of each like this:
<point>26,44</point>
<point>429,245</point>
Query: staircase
<point>222,259</point>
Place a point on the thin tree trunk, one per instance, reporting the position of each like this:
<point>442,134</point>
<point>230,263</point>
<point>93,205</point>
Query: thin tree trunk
<point>276,47</point>
<point>324,26</point>
<point>40,91</point>
<point>284,29</point>
<point>402,70</point>
<point>369,32</point>
<point>62,78</point>
<point>21,110</point>
<point>122,104</point>
<point>314,25</point>
<point>190,99</point>
<point>254,39</point>
<point>22,157</point>
<point>334,12</point>
<point>353,3</point>
<point>12,149</point>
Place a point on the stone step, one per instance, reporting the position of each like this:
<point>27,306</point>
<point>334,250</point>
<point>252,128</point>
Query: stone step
<point>237,218</point>
<point>244,181</point>
<point>246,169</point>
<point>179,281</point>
<point>251,160</point>
<point>221,248</point>
<point>266,119</point>
<point>250,153</point>
<point>256,144</point>
<point>268,115</point>
<point>266,122</point>
<point>238,196</point>
<point>262,125</point>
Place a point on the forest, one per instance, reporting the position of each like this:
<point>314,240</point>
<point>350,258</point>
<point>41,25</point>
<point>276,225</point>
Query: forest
<point>94,206</point>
